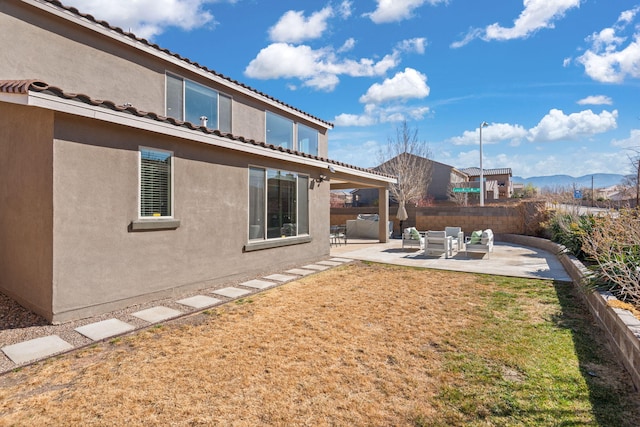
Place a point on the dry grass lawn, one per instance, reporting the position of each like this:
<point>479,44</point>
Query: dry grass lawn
<point>362,344</point>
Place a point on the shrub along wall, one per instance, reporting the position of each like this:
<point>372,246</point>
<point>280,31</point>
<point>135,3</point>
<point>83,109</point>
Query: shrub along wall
<point>514,218</point>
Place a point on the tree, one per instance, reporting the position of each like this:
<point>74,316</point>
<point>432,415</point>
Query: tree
<point>407,158</point>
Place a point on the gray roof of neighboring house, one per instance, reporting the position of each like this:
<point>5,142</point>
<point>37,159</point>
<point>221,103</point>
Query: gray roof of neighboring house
<point>119,30</point>
<point>476,171</point>
<point>25,86</point>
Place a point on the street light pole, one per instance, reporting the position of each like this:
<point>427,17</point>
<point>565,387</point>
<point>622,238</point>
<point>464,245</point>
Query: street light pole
<point>482,125</point>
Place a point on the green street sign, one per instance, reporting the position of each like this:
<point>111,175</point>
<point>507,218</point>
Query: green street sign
<point>465,190</point>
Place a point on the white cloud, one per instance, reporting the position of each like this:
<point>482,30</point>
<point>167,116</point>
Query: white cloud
<point>404,85</point>
<point>345,9</point>
<point>632,142</point>
<point>609,60</point>
<point>148,18</point>
<point>347,46</point>
<point>596,100</point>
<point>556,125</point>
<point>494,133</point>
<point>374,114</point>
<point>537,14</point>
<point>316,68</point>
<point>354,120</point>
<point>293,27</point>
<point>417,45</point>
<point>397,10</point>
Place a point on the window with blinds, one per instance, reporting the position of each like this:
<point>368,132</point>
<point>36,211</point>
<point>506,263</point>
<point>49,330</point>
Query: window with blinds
<point>155,183</point>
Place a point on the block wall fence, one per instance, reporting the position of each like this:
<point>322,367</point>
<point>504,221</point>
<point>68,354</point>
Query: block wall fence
<point>514,218</point>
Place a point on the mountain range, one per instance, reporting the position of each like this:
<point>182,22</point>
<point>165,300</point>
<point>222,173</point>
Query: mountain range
<point>600,180</point>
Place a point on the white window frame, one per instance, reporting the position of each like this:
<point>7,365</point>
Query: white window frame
<point>171,183</point>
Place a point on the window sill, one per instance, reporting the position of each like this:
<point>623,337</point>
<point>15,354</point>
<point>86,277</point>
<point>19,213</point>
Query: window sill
<point>275,243</point>
<point>154,224</point>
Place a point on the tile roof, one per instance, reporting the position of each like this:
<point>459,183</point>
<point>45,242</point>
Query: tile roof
<point>130,35</point>
<point>476,171</point>
<point>26,86</point>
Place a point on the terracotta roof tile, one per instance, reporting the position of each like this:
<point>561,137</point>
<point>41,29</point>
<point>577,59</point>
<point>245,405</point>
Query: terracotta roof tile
<point>25,86</point>
<point>119,30</point>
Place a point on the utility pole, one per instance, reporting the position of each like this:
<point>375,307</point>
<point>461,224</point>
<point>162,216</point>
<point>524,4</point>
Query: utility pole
<point>592,193</point>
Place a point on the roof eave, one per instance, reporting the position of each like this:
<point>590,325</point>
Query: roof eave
<point>69,106</point>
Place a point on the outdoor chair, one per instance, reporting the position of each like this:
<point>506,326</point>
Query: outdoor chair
<point>338,235</point>
<point>411,237</point>
<point>438,243</point>
<point>480,242</point>
<point>457,235</point>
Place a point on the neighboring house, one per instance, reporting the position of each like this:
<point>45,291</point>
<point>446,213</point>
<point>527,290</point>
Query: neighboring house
<point>498,184</point>
<point>443,179</point>
<point>127,171</point>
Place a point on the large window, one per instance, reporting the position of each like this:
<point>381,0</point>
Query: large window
<point>278,204</point>
<point>279,131</point>
<point>307,140</point>
<point>156,179</point>
<point>189,101</point>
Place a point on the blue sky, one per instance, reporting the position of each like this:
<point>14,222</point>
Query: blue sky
<point>558,81</point>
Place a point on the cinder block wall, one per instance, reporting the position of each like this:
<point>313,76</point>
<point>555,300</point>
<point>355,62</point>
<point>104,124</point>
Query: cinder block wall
<point>503,219</point>
<point>516,218</point>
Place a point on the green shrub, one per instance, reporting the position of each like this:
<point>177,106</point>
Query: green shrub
<point>570,230</point>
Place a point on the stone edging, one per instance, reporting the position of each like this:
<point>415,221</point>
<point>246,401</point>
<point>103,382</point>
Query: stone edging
<point>621,328</point>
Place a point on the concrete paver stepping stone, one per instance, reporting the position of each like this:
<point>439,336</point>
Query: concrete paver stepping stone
<point>199,301</point>
<point>300,271</point>
<point>281,277</point>
<point>341,259</point>
<point>37,348</point>
<point>329,263</point>
<point>316,267</point>
<point>156,314</point>
<point>231,292</point>
<point>104,329</point>
<point>258,284</point>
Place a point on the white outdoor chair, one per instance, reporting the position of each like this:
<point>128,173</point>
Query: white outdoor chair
<point>457,235</point>
<point>438,243</point>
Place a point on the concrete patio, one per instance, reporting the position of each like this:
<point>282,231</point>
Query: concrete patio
<point>505,260</point>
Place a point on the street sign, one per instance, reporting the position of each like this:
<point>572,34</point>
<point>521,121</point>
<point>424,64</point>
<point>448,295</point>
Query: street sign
<point>465,190</point>
<point>577,194</point>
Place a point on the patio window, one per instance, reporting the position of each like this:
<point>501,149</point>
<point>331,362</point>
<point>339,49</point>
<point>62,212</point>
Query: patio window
<point>189,101</point>
<point>278,204</point>
<point>156,183</point>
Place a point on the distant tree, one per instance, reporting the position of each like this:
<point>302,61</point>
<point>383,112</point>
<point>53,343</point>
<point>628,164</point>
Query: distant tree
<point>529,191</point>
<point>407,158</point>
<point>634,180</point>
<point>460,199</point>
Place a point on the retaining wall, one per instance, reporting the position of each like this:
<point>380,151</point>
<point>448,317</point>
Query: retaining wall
<point>621,328</point>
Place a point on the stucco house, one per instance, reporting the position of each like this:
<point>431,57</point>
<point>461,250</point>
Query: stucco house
<point>128,172</point>
<point>443,178</point>
<point>498,182</point>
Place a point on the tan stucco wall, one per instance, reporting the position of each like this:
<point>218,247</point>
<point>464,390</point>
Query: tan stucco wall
<point>76,59</point>
<point>38,45</point>
<point>26,206</point>
<point>99,264</point>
